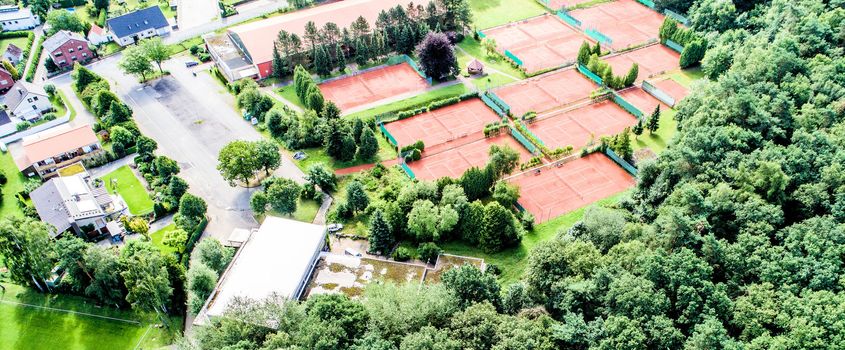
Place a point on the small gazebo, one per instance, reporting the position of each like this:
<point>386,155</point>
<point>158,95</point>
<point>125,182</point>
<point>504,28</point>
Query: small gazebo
<point>475,67</point>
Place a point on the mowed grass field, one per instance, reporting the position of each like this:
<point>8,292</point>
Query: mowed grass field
<point>9,206</point>
<point>131,189</point>
<point>491,13</point>
<point>32,320</point>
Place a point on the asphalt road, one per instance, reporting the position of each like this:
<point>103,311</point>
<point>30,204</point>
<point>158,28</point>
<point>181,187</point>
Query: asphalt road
<point>194,13</point>
<point>191,118</point>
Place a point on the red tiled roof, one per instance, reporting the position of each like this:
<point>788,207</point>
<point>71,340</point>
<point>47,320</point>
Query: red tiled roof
<point>96,29</point>
<point>258,37</point>
<point>55,141</point>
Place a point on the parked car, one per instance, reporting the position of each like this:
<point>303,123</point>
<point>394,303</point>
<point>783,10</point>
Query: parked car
<point>189,64</point>
<point>335,227</point>
<point>300,155</point>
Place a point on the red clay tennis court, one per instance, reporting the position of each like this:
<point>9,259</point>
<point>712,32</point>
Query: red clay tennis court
<point>466,118</point>
<point>557,190</point>
<point>453,162</point>
<point>671,87</point>
<point>540,42</point>
<point>546,92</point>
<point>576,127</point>
<point>652,60</point>
<point>642,100</point>
<point>368,87</point>
<point>626,22</point>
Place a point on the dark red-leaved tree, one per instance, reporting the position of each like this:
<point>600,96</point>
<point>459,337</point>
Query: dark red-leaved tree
<point>437,56</point>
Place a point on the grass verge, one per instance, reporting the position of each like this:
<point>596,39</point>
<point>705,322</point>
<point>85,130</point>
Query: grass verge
<point>9,205</point>
<point>421,99</point>
<point>472,49</point>
<point>288,93</point>
<point>491,13</point>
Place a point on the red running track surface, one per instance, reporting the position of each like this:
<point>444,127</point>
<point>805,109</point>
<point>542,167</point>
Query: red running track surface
<point>558,190</point>
<point>642,100</point>
<point>453,162</point>
<point>576,127</point>
<point>358,90</point>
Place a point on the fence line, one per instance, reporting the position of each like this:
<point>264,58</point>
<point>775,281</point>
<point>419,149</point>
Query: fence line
<point>674,46</point>
<point>625,165</point>
<point>658,94</point>
<point>627,106</point>
<point>589,74</point>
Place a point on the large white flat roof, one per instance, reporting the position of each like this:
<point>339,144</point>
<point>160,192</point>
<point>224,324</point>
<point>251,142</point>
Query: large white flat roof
<point>273,260</point>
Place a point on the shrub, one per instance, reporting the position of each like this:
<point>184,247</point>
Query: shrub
<point>401,254</point>
<point>429,252</point>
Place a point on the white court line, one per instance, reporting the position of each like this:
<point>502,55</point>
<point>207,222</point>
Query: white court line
<point>70,311</point>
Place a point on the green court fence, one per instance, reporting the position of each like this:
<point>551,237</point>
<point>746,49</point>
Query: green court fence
<point>627,106</point>
<point>387,134</point>
<point>625,165</point>
<point>674,46</point>
<point>658,94</point>
<point>394,60</point>
<point>513,57</point>
<point>492,105</point>
<point>598,36</point>
<point>498,101</point>
<point>677,16</point>
<point>648,3</point>
<point>408,170</point>
<point>566,17</point>
<point>481,34</point>
<point>521,138</point>
<point>584,70</point>
<point>533,135</point>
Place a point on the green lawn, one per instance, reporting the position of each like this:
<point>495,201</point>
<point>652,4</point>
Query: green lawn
<point>65,104</point>
<point>32,327</point>
<point>419,100</point>
<point>110,48</point>
<point>666,129</point>
<point>386,151</point>
<point>82,13</point>
<point>289,94</point>
<point>19,42</point>
<point>491,13</point>
<point>131,189</point>
<point>472,49</point>
<point>491,81</point>
<point>158,238</point>
<point>306,211</point>
<point>687,76</point>
<point>9,206</point>
<point>513,261</point>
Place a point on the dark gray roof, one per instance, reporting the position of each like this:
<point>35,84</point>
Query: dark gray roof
<point>4,117</point>
<point>57,40</point>
<point>19,91</point>
<point>63,200</point>
<point>138,21</point>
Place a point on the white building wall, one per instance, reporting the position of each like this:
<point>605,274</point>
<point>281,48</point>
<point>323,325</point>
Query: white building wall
<point>20,24</point>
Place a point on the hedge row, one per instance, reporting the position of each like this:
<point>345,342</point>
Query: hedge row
<point>195,237</point>
<point>35,57</point>
<point>494,129</point>
<point>434,105</point>
<point>553,154</point>
<point>534,161</point>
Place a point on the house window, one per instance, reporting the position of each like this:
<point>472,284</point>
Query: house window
<point>57,54</point>
<point>70,50</point>
<point>34,108</point>
<point>79,47</point>
<point>29,100</point>
<point>35,98</point>
<point>84,55</point>
<point>4,82</point>
<point>73,58</point>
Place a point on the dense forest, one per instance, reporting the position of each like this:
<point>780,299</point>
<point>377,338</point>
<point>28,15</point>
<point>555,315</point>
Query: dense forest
<point>734,238</point>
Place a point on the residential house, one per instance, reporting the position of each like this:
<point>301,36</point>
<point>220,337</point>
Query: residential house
<point>6,81</point>
<point>27,101</point>
<point>6,125</point>
<point>48,151</point>
<point>98,35</point>
<point>66,47</point>
<point>72,204</point>
<point>14,18</point>
<point>141,24</point>
<point>13,54</point>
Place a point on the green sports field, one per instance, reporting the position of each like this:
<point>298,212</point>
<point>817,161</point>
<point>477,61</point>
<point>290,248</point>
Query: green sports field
<point>32,320</point>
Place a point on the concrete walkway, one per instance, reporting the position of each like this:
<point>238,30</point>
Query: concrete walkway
<point>112,166</point>
<point>269,92</point>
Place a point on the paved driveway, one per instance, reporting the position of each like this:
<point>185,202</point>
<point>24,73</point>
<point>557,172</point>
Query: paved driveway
<point>192,118</point>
